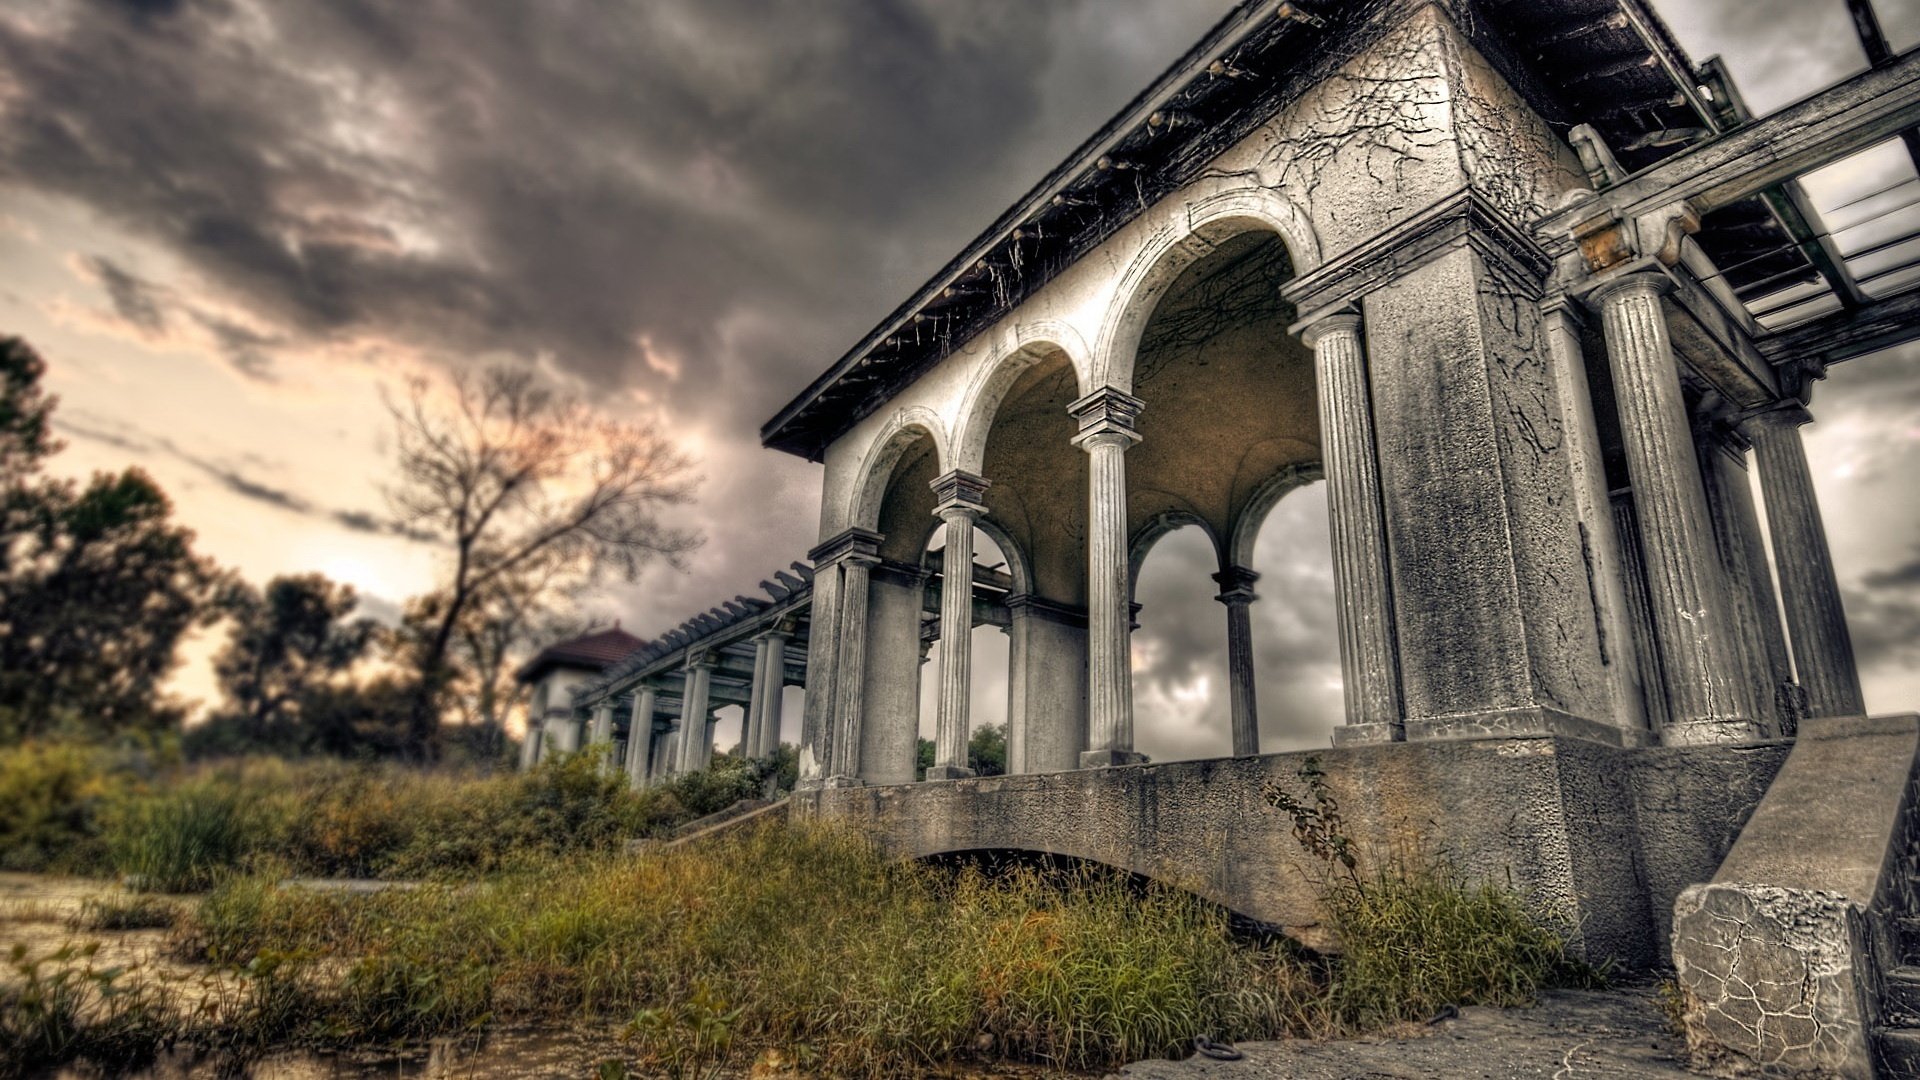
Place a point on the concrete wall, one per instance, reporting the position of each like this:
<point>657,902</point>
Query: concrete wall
<point>1598,838</point>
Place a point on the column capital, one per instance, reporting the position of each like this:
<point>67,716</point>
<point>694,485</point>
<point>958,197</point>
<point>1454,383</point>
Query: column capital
<point>1785,414</point>
<point>1236,585</point>
<point>702,659</point>
<point>850,543</point>
<point>1640,282</point>
<point>1344,319</point>
<point>1029,606</point>
<point>960,492</point>
<point>1106,418</point>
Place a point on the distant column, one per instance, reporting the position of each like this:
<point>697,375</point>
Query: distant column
<point>1809,589</point>
<point>756,700</point>
<point>771,715</point>
<point>1363,595</point>
<point>640,736</point>
<point>693,714</point>
<point>1236,592</point>
<point>600,736</point>
<point>1106,419</point>
<point>1709,700</point>
<point>960,504</point>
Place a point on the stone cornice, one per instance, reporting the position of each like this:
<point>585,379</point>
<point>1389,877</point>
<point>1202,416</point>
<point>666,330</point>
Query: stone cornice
<point>1027,605</point>
<point>959,490</point>
<point>1463,217</point>
<point>1105,414</point>
<point>854,542</point>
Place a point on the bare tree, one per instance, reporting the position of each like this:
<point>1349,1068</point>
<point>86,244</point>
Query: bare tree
<point>521,484</point>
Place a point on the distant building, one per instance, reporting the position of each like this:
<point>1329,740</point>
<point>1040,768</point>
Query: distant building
<point>553,675</point>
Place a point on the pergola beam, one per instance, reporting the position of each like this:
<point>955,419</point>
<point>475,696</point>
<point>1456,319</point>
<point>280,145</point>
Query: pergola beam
<point>1847,334</point>
<point>1840,120</point>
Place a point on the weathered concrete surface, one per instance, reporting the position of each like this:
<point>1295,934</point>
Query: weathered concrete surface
<point>1574,825</point>
<point>1569,1035</point>
<point>1780,955</point>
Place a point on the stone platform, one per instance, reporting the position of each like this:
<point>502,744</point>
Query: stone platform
<point>1600,839</point>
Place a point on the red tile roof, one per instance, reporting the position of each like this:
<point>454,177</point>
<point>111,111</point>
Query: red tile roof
<point>596,650</point>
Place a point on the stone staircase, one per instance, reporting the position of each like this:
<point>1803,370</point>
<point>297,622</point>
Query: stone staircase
<point>1897,1038</point>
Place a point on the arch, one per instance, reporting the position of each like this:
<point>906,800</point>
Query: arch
<point>1246,529</point>
<point>1018,566</point>
<point>1214,212</point>
<point>1150,534</point>
<point>1032,342</point>
<point>903,428</point>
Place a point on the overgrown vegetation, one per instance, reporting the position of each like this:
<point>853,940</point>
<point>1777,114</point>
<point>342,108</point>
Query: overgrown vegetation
<point>180,828</point>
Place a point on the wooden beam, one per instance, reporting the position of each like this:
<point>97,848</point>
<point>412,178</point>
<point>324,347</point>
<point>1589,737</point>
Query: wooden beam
<point>1873,42</point>
<point>1845,335</point>
<point>1840,120</point>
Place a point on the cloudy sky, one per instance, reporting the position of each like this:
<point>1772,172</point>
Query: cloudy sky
<point>228,223</point>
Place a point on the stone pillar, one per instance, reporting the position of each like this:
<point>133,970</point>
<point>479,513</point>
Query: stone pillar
<point>640,736</point>
<point>600,733</point>
<point>830,665</point>
<point>1106,419</point>
<point>1236,592</point>
<point>1562,322</point>
<point>1708,699</point>
<point>666,756</point>
<point>856,568</point>
<point>1362,594</point>
<point>695,739</point>
<point>959,504</point>
<point>1816,621</point>
<point>1047,691</point>
<point>756,700</point>
<point>1756,611</point>
<point>771,715</point>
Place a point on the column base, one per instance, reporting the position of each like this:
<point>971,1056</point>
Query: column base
<point>1384,731</point>
<point>837,782</point>
<point>1110,759</point>
<point>949,772</point>
<point>1714,730</point>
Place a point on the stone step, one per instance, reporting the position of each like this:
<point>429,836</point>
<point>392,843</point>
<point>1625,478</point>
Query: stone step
<point>1899,1051</point>
<point>1901,1006</point>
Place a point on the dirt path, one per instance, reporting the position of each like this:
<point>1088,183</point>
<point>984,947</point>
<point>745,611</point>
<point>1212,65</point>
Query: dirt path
<point>1571,1035</point>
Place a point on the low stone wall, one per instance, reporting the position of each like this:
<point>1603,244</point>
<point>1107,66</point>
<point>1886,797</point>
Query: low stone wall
<point>1599,838</point>
<point>1780,954</point>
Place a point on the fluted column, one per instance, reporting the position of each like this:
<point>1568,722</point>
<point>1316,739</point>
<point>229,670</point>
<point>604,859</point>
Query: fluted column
<point>771,712</point>
<point>640,736</point>
<point>960,502</point>
<point>600,733</point>
<point>856,569</point>
<point>694,707</point>
<point>1363,595</point>
<point>1106,419</point>
<point>1708,699</point>
<point>756,701</point>
<point>1236,592</point>
<point>1809,590</point>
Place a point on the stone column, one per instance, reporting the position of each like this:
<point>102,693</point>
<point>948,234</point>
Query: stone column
<point>856,568</point>
<point>771,713</point>
<point>1756,611</point>
<point>1106,419</point>
<point>1816,621</point>
<point>1708,699</point>
<point>640,736</point>
<point>831,667</point>
<point>959,504</point>
<point>756,701</point>
<point>694,707</point>
<point>1236,592</point>
<point>1562,322</point>
<point>1362,593</point>
<point>600,734</point>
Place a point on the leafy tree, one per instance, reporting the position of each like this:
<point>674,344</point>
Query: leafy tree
<point>519,484</point>
<point>287,641</point>
<point>987,750</point>
<point>97,582</point>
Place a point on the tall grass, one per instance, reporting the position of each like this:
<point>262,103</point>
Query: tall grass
<point>800,938</point>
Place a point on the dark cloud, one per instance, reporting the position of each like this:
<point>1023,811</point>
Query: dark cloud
<point>135,299</point>
<point>1906,576</point>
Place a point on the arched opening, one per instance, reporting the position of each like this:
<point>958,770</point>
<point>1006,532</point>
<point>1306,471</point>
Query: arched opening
<point>1296,635</point>
<point>991,653</point>
<point>1229,422</point>
<point>729,724</point>
<point>1037,513</point>
<point>1180,707</point>
<point>896,601</point>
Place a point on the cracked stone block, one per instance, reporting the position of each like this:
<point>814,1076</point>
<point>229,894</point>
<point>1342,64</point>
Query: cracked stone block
<point>1777,980</point>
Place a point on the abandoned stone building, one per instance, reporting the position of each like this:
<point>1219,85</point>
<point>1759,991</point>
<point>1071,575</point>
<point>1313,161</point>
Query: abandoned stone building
<point>1543,305</point>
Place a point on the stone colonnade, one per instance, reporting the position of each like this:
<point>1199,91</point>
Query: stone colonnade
<point>1678,600</point>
